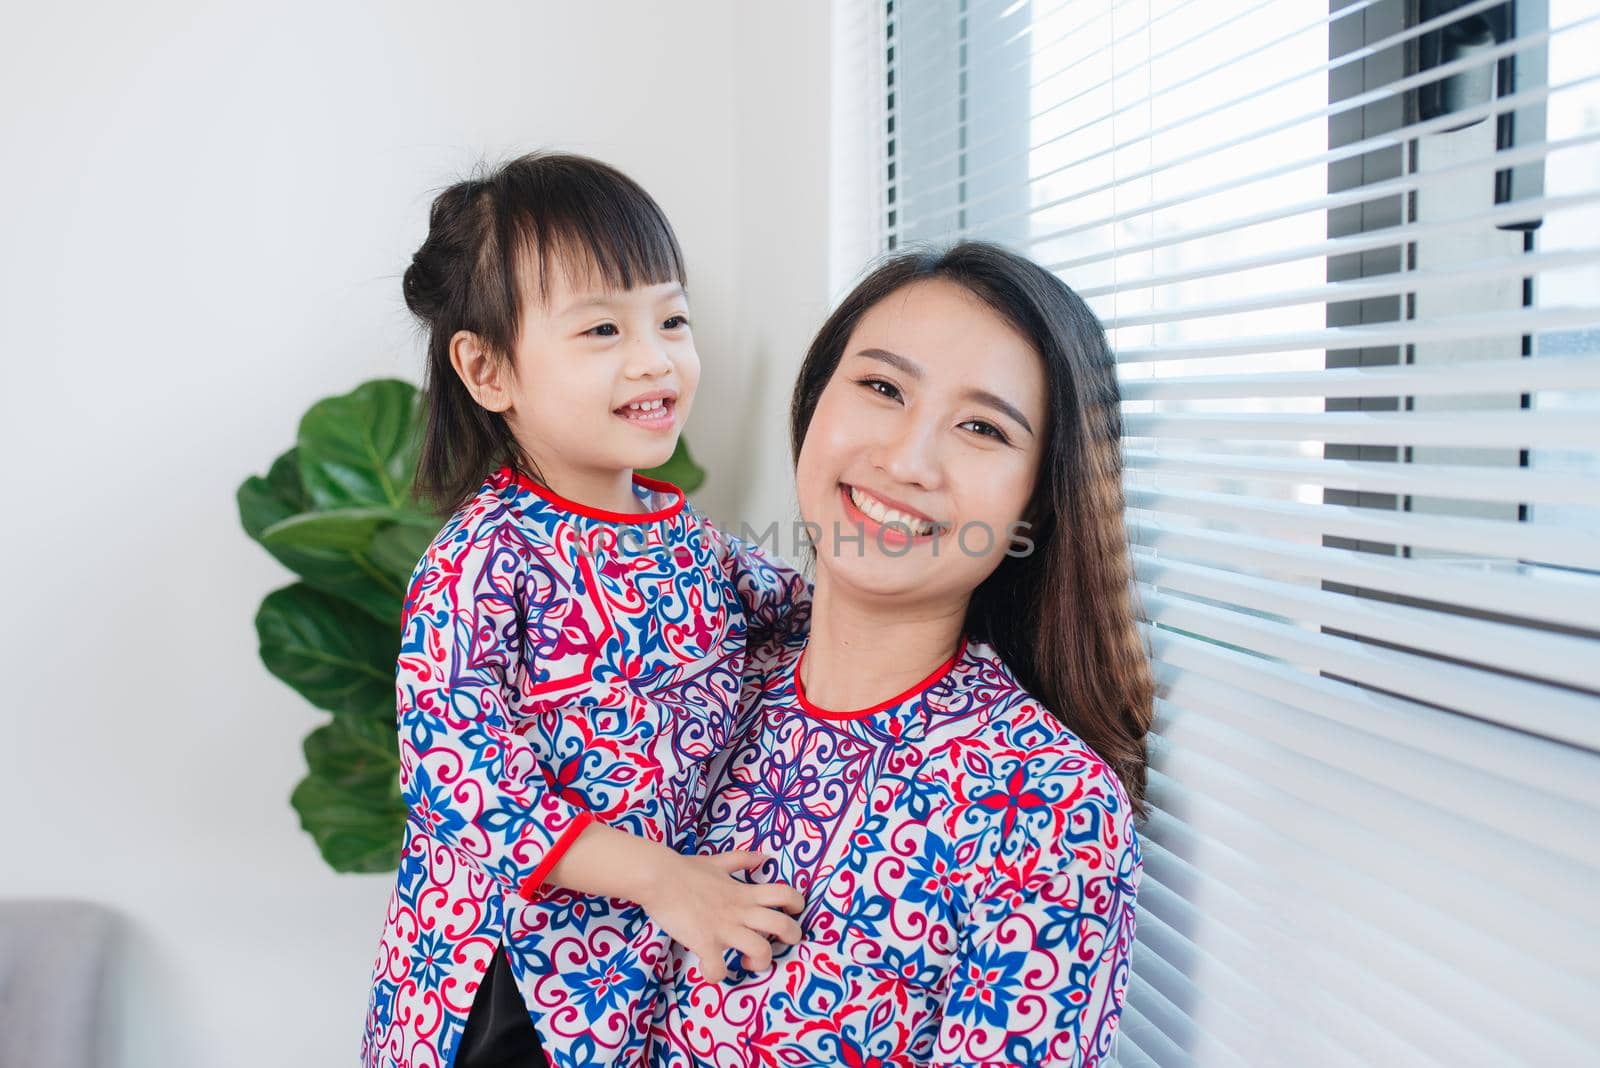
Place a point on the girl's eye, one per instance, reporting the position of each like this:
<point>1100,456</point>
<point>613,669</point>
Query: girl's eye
<point>675,322</point>
<point>890,390</point>
<point>603,330</point>
<point>988,430</point>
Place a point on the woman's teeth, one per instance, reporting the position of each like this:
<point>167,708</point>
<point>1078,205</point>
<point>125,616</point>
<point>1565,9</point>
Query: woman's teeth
<point>886,515</point>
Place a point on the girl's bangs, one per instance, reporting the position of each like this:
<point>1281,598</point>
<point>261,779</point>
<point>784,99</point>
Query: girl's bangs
<point>614,242</point>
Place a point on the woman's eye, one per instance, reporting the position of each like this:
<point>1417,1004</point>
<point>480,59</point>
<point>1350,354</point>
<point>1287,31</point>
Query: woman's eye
<point>675,322</point>
<point>603,330</point>
<point>988,430</point>
<point>889,389</point>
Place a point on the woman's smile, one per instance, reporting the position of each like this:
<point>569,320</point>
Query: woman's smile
<point>894,525</point>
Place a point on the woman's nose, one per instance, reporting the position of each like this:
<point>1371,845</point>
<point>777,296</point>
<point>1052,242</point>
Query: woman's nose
<point>910,454</point>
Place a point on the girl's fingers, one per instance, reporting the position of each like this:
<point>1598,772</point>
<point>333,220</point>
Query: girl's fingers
<point>713,969</point>
<point>773,922</point>
<point>740,860</point>
<point>756,949</point>
<point>779,896</point>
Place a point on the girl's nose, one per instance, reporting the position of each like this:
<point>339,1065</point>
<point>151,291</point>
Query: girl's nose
<point>646,356</point>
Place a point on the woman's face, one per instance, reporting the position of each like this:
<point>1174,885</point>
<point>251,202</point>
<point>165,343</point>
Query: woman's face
<point>924,447</point>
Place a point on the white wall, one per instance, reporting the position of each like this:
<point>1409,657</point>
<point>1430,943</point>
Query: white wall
<point>206,209</point>
<point>780,254</point>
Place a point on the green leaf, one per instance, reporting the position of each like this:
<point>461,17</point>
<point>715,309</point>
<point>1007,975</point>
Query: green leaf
<point>329,554</point>
<point>396,550</point>
<point>350,802</point>
<point>347,530</point>
<point>360,449</point>
<point>680,469</point>
<point>379,547</point>
<point>265,501</point>
<point>337,657</point>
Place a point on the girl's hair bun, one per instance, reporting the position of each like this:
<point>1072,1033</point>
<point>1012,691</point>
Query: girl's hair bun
<point>421,288</point>
<point>441,265</point>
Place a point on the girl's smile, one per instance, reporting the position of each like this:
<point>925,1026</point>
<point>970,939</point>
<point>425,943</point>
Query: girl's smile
<point>655,410</point>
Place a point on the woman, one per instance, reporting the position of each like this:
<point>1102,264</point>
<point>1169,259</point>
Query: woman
<point>949,763</point>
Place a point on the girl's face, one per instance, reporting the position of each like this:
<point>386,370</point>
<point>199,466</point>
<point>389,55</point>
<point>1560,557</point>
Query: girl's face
<point>926,443</point>
<point>602,380</point>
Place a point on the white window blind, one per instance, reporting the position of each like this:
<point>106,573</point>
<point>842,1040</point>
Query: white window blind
<point>1349,261</point>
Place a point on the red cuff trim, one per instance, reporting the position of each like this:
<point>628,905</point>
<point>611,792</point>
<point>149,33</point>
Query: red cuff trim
<point>530,886</point>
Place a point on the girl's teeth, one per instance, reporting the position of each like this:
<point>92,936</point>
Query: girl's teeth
<point>646,406</point>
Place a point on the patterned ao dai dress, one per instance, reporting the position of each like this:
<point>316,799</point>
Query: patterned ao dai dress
<point>559,665</point>
<point>969,865</point>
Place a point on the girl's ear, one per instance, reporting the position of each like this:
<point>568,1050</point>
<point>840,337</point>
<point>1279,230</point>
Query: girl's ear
<point>479,371</point>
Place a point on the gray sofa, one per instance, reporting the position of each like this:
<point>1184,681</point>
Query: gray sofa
<point>53,957</point>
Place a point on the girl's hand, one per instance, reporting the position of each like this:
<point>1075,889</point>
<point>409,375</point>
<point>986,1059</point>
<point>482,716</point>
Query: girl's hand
<point>696,899</point>
<point>705,909</point>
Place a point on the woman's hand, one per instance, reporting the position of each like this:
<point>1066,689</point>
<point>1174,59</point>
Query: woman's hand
<point>705,909</point>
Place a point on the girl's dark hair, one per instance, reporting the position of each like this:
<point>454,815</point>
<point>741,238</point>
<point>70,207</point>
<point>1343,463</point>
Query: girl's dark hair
<point>1063,617</point>
<point>491,242</point>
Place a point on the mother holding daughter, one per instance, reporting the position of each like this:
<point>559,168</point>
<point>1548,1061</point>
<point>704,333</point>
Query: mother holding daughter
<point>636,753</point>
<point>948,763</point>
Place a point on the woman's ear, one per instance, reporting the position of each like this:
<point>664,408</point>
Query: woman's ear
<point>1028,524</point>
<point>1030,512</point>
<point>479,371</point>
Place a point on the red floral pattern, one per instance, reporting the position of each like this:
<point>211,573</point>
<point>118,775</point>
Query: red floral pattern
<point>970,869</point>
<point>557,666</point>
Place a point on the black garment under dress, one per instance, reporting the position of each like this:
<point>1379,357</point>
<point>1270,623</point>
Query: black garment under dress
<point>499,1030</point>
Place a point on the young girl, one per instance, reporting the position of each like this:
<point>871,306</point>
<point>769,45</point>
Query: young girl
<point>573,641</point>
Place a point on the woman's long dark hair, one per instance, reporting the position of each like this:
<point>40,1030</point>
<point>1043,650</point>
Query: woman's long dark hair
<point>1063,617</point>
<point>491,242</point>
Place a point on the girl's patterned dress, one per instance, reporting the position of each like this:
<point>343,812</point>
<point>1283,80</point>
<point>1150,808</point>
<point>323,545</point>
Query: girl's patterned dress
<point>558,665</point>
<point>969,865</point>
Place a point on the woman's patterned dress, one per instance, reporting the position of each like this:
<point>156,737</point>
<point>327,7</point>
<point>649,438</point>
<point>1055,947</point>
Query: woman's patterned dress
<point>969,865</point>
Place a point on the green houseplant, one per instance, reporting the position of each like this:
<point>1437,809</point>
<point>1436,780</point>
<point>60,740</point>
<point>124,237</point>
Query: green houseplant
<point>337,510</point>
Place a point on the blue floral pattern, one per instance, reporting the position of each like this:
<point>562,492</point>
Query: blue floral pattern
<point>970,870</point>
<point>553,672</point>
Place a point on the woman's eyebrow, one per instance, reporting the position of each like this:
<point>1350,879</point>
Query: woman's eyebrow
<point>893,359</point>
<point>982,396</point>
<point>1000,404</point>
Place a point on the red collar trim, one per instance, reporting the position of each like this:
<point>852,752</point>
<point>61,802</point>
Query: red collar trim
<point>566,505</point>
<point>859,713</point>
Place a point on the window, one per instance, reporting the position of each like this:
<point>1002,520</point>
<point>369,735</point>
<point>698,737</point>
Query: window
<point>1349,261</point>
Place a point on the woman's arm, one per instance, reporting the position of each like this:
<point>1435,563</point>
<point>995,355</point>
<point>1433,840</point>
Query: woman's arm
<point>1041,972</point>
